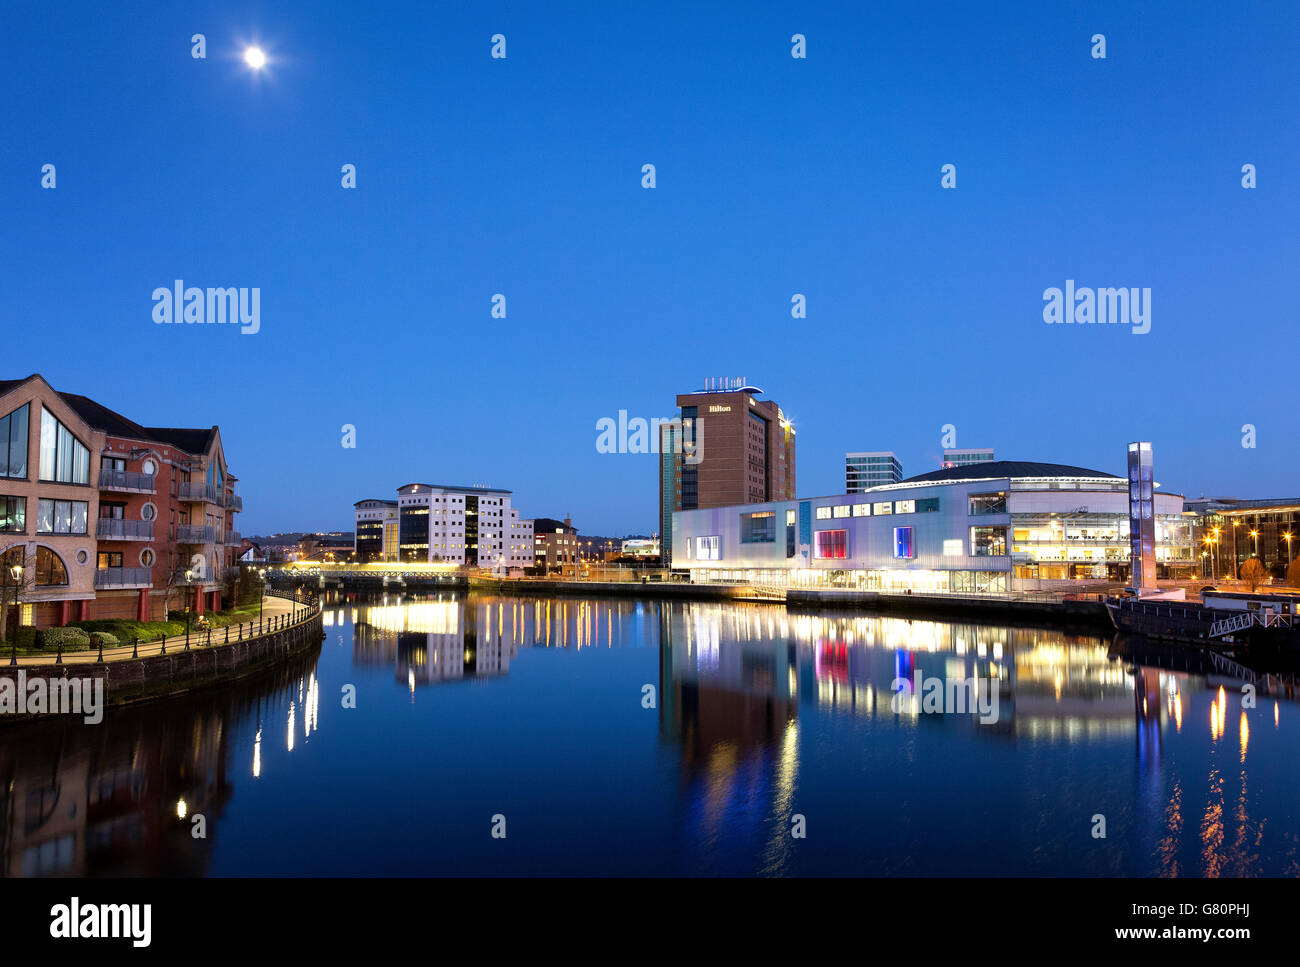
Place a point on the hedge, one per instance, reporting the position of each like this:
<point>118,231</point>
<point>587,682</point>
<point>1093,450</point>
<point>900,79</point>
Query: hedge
<point>104,638</point>
<point>71,639</point>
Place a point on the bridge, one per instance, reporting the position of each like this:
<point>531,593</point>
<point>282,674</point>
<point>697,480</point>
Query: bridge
<point>371,576</point>
<point>1248,619</point>
<point>761,592</point>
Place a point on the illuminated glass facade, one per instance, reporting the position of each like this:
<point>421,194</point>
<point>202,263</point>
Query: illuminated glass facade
<point>1229,531</point>
<point>969,530</point>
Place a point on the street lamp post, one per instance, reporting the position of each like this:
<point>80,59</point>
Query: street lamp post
<point>189,579</point>
<point>262,574</point>
<point>17,571</point>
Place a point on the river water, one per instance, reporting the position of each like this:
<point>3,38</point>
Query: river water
<point>512,736</point>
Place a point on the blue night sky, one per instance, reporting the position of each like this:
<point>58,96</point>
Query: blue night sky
<point>775,176</point>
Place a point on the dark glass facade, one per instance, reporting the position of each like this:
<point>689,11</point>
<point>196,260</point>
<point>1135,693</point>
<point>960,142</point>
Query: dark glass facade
<point>413,533</point>
<point>690,472</point>
<point>471,530</point>
<point>370,539</point>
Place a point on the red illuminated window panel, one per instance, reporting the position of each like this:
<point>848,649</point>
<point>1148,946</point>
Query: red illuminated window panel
<point>832,545</point>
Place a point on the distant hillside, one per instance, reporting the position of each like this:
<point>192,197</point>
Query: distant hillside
<point>292,538</point>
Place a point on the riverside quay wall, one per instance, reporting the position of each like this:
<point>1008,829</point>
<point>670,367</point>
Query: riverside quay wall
<point>1035,610</point>
<point>131,680</point>
<point>1064,611</point>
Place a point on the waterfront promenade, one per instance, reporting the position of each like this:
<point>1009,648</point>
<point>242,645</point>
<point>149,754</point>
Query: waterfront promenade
<point>277,613</point>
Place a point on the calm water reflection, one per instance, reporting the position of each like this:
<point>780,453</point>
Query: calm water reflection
<point>533,709</point>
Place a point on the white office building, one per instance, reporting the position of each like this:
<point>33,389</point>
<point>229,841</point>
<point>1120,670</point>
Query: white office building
<point>873,468</point>
<point>437,523</point>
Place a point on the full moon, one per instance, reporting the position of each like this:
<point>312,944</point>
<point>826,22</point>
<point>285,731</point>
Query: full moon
<point>255,58</point>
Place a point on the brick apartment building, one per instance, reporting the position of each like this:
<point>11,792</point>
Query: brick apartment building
<point>555,543</point>
<point>106,515</point>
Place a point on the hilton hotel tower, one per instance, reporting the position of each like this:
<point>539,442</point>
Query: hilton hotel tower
<point>745,453</point>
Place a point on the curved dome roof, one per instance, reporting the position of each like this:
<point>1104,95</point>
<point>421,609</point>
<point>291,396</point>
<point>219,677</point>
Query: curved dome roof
<point>995,469</point>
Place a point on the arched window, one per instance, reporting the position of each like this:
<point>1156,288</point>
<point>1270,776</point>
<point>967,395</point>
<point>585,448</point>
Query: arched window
<point>8,559</point>
<point>50,571</point>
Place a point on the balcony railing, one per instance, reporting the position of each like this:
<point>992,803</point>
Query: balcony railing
<point>192,534</point>
<point>122,577</point>
<point>115,529</point>
<point>126,481</point>
<point>234,539</point>
<point>199,493</point>
<point>235,502</point>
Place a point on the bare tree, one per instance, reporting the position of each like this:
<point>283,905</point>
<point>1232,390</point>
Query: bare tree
<point>1252,572</point>
<point>11,590</point>
<point>176,580</point>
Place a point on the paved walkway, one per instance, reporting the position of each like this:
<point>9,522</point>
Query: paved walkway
<point>272,608</point>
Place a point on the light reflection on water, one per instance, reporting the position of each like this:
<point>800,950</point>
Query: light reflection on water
<point>539,709</point>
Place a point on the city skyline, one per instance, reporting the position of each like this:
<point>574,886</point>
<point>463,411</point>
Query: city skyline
<point>453,444</point>
<point>776,177</point>
<point>910,469</point>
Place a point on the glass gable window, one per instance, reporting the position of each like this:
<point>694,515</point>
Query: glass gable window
<point>13,443</point>
<point>759,528</point>
<point>832,545</point>
<point>988,541</point>
<point>903,542</point>
<point>708,548</point>
<point>64,459</point>
<point>61,516</point>
<point>988,503</point>
<point>13,515</point>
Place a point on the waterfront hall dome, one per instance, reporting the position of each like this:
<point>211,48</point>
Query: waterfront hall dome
<point>997,469</point>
